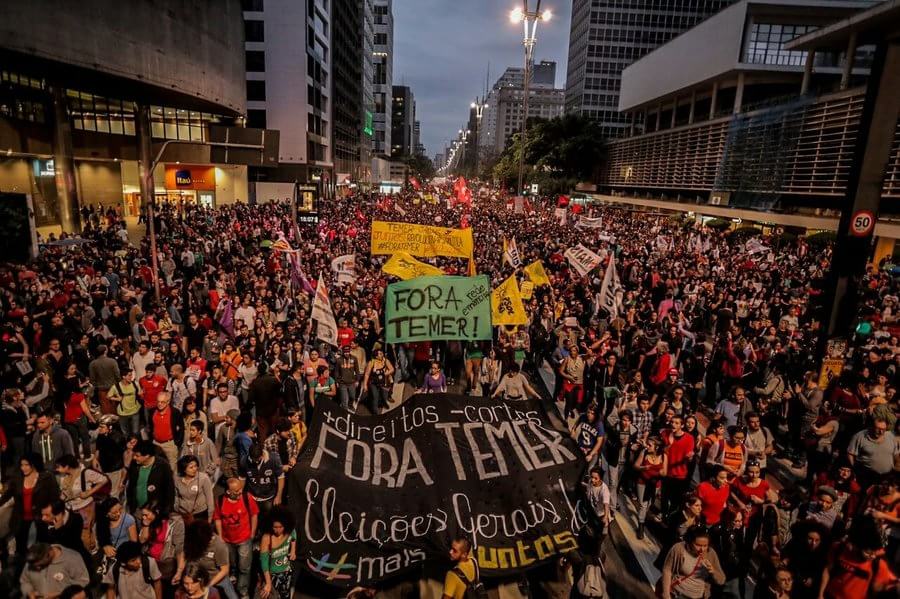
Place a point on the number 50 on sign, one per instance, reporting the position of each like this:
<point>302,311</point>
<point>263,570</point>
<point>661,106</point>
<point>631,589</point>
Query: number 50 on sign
<point>862,223</point>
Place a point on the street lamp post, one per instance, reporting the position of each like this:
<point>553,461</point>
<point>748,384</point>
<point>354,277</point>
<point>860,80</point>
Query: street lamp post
<point>529,19</point>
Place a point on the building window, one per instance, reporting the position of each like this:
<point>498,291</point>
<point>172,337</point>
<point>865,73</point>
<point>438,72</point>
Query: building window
<point>256,61</point>
<point>254,31</point>
<point>256,91</point>
<point>380,39</point>
<point>256,119</point>
<point>252,5</point>
<point>766,44</point>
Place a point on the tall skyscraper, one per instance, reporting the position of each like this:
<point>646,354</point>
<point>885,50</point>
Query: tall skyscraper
<point>384,76</point>
<point>347,50</point>
<point>403,122</point>
<point>368,90</point>
<point>606,37</point>
<point>287,50</point>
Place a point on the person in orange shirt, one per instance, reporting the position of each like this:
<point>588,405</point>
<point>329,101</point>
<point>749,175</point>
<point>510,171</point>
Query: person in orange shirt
<point>857,568</point>
<point>231,360</point>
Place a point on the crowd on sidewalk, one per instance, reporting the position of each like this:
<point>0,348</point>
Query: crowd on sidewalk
<point>146,443</point>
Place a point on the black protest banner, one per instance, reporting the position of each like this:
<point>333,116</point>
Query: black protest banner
<point>376,496</point>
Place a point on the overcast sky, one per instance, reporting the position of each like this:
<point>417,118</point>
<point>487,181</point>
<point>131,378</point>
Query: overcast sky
<point>442,49</point>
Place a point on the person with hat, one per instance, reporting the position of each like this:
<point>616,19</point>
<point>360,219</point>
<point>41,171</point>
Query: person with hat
<point>823,510</point>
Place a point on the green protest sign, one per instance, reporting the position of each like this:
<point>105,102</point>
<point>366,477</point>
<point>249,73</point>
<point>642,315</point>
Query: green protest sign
<point>435,308</point>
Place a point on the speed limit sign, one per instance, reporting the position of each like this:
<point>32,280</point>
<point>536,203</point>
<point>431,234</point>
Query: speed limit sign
<point>862,223</point>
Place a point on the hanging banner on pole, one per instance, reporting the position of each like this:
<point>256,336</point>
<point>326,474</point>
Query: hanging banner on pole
<point>326,327</point>
<point>438,308</point>
<point>506,304</point>
<point>376,496</point>
<point>344,269</point>
<point>406,267</point>
<point>420,240</point>
<point>582,259</point>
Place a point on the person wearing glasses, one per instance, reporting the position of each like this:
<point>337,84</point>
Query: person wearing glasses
<point>435,380</point>
<point>730,452</point>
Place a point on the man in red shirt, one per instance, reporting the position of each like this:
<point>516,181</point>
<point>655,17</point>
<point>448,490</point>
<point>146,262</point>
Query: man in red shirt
<point>858,569</point>
<point>151,386</point>
<point>713,495</point>
<point>167,428</point>
<point>345,334</point>
<point>236,518</point>
<point>679,452</point>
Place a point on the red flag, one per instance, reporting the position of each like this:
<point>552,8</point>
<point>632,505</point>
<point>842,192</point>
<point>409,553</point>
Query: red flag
<point>577,208</point>
<point>415,183</point>
<point>562,201</point>
<point>459,184</point>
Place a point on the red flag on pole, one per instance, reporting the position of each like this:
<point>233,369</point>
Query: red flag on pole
<point>415,183</point>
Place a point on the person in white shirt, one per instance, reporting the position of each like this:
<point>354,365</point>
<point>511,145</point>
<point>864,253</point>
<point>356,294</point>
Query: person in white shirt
<point>142,358</point>
<point>220,404</point>
<point>247,314</point>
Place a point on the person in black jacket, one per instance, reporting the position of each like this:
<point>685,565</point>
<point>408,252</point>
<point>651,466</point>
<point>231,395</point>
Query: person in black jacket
<point>149,479</point>
<point>166,426</point>
<point>44,490</point>
<point>62,526</point>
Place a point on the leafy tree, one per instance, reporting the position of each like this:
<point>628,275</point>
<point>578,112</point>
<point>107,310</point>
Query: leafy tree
<point>557,151</point>
<point>420,167</point>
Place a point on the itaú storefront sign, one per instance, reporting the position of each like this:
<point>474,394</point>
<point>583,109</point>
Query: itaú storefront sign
<point>198,177</point>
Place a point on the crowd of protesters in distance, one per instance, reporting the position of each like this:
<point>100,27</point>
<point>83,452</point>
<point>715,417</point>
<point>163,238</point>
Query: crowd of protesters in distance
<point>146,446</point>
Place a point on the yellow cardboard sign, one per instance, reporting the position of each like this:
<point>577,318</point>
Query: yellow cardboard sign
<point>420,240</point>
<point>536,273</point>
<point>526,289</point>
<point>831,368</point>
<point>506,304</point>
<point>406,267</point>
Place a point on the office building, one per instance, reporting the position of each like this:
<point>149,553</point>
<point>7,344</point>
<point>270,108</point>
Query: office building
<point>347,89</point>
<point>403,120</point>
<point>88,91</point>
<point>755,125</point>
<point>606,36</point>
<point>384,76</point>
<point>287,48</point>
<point>366,140</point>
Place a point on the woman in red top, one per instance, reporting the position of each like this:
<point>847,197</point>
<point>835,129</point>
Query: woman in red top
<point>77,412</point>
<point>651,467</point>
<point>748,493</point>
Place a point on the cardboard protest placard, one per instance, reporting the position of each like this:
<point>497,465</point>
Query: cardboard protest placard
<point>438,308</point>
<point>420,240</point>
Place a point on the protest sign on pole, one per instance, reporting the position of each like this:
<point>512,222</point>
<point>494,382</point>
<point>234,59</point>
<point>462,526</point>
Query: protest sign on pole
<point>589,223</point>
<point>511,253</point>
<point>438,308</point>
<point>344,269</point>
<point>610,289</point>
<point>582,259</point>
<point>406,267</point>
<point>420,240</point>
<point>506,304</point>
<point>536,273</point>
<point>376,496</point>
<point>326,327</point>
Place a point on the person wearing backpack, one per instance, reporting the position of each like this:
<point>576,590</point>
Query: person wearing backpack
<point>80,487</point>
<point>134,575</point>
<point>463,581</point>
<point>759,443</point>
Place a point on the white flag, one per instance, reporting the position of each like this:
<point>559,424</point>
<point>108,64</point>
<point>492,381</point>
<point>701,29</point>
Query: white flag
<point>399,209</point>
<point>326,327</point>
<point>511,254</point>
<point>560,213</point>
<point>344,268</point>
<point>582,259</point>
<point>610,289</point>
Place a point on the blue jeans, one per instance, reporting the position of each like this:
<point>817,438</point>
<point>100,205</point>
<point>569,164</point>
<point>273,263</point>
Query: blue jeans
<point>240,557</point>
<point>346,395</point>
<point>130,424</point>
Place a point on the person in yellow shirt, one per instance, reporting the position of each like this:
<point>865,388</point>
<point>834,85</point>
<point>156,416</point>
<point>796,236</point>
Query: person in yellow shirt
<point>454,585</point>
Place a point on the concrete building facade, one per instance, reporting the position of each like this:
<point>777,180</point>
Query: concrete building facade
<point>383,77</point>
<point>288,70</point>
<point>403,120</point>
<point>347,49</point>
<point>78,112</point>
<point>758,126</point>
<point>608,35</point>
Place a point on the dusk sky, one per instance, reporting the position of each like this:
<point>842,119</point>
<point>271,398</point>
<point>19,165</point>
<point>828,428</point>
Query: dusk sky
<point>442,49</point>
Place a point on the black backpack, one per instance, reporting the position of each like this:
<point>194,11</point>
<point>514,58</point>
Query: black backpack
<point>145,570</point>
<point>474,588</point>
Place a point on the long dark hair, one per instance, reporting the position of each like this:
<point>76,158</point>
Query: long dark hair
<point>197,536</point>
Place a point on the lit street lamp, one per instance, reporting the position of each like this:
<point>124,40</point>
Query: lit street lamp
<point>529,20</point>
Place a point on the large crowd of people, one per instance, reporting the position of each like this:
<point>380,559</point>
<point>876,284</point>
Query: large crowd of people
<point>146,443</point>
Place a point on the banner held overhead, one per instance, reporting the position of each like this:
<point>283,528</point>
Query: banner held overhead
<point>438,308</point>
<point>420,240</point>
